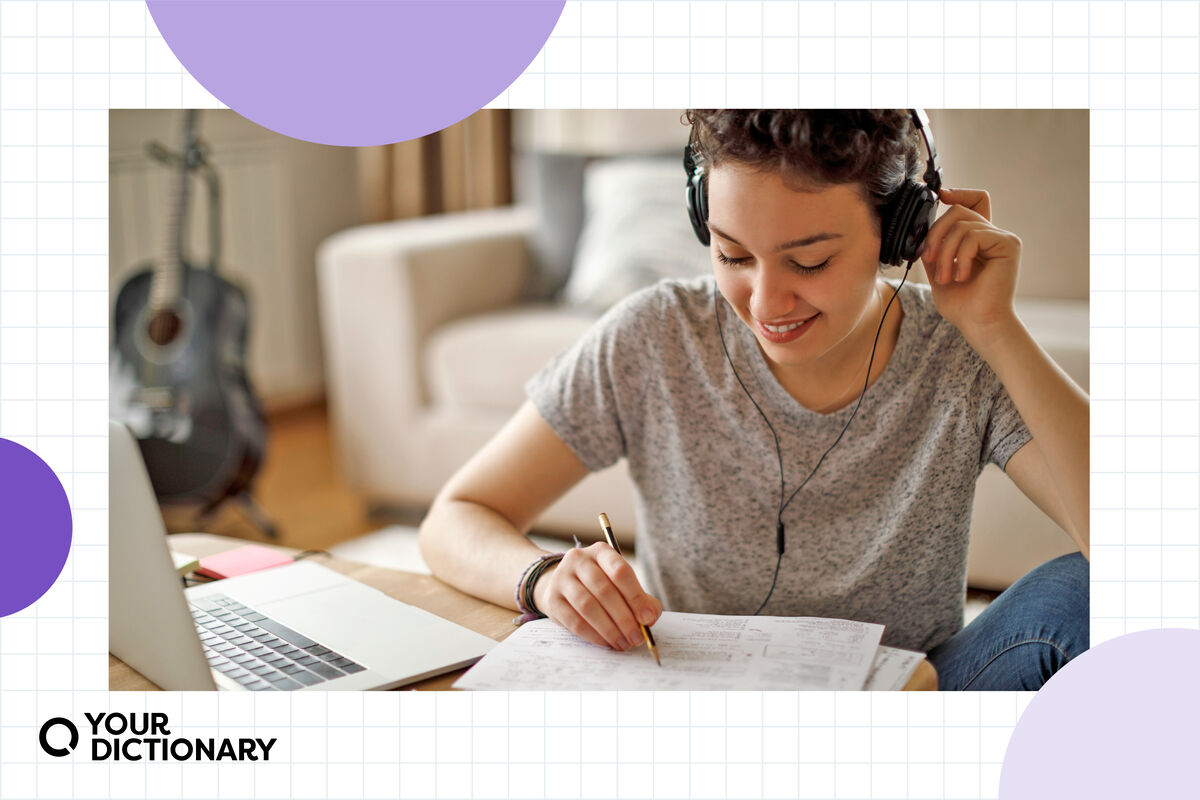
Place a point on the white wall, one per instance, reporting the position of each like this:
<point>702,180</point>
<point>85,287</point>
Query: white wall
<point>599,132</point>
<point>1034,164</point>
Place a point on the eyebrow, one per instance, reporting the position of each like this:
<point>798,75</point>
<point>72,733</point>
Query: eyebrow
<point>807,240</point>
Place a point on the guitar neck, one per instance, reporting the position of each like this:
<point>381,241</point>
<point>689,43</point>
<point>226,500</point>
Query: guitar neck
<point>167,282</point>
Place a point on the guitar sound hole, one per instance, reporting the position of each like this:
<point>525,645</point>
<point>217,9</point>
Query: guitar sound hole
<point>164,327</point>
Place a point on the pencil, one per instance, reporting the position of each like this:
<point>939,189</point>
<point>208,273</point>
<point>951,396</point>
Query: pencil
<point>612,542</point>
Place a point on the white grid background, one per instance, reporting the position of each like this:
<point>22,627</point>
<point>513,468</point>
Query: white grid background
<point>1136,64</point>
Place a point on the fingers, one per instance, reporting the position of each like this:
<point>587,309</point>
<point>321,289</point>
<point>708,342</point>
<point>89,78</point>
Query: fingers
<point>641,605</point>
<point>594,614</point>
<point>956,253</point>
<point>977,200</point>
<point>964,260</point>
<point>967,246</point>
<point>965,204</point>
<point>570,619</point>
<point>595,594</point>
<point>941,229</point>
<point>612,603</point>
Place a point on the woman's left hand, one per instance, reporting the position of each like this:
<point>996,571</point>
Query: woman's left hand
<point>972,265</point>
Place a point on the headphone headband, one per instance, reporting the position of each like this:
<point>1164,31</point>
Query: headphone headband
<point>933,167</point>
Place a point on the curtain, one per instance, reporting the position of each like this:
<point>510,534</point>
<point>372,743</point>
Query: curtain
<point>466,166</point>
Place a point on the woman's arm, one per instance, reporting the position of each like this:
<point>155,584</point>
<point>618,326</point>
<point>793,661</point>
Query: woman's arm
<point>972,267</point>
<point>474,535</point>
<point>1056,411</point>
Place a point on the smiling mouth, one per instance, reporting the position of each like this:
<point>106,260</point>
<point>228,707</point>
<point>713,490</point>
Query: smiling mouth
<point>785,328</point>
<point>782,334</point>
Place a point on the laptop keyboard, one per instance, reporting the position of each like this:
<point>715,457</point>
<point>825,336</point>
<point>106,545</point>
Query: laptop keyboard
<point>258,652</point>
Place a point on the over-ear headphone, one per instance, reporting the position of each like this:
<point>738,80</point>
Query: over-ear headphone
<point>907,216</point>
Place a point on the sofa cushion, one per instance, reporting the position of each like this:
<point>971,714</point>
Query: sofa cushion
<point>635,231</point>
<point>482,362</point>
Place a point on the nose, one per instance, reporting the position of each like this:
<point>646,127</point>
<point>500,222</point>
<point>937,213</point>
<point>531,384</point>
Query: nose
<point>771,297</point>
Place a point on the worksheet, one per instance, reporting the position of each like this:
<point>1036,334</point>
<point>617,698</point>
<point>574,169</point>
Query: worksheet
<point>892,668</point>
<point>698,651</point>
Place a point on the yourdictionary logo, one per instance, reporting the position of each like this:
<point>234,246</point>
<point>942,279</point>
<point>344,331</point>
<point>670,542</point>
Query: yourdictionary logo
<point>144,736</point>
<point>44,737</point>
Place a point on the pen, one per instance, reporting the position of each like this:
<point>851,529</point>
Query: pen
<point>612,542</point>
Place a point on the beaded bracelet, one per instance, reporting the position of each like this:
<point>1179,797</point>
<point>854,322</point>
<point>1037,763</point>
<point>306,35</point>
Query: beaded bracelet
<point>524,592</point>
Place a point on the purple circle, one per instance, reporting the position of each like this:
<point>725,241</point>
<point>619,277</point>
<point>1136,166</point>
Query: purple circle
<point>1119,721</point>
<point>35,527</point>
<point>355,72</point>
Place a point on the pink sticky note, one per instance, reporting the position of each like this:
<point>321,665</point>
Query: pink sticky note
<point>241,560</point>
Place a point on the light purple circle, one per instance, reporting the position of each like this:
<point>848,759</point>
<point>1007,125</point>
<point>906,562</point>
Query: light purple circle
<point>35,527</point>
<point>355,72</point>
<point>1118,722</point>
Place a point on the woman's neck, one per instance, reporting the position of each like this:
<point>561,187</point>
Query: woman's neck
<point>836,379</point>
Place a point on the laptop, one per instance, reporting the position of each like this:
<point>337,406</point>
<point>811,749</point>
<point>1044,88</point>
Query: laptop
<point>297,627</point>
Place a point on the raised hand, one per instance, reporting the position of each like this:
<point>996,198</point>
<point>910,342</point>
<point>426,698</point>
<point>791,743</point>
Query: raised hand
<point>971,264</point>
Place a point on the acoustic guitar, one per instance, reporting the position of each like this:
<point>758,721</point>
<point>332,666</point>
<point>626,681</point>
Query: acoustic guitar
<point>178,371</point>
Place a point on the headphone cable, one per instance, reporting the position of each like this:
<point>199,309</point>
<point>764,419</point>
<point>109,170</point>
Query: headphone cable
<point>779,527</point>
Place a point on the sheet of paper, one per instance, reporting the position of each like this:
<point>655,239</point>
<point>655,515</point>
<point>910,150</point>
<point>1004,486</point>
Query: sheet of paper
<point>892,668</point>
<point>699,651</point>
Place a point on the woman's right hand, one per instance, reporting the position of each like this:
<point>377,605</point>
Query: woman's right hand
<point>594,593</point>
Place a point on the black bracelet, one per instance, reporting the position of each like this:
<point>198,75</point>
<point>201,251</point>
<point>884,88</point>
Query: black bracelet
<point>524,593</point>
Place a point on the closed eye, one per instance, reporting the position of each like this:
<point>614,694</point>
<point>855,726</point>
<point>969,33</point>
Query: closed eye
<point>724,259</point>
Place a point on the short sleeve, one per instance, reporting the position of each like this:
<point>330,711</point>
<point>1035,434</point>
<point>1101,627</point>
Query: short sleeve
<point>1001,428</point>
<point>591,393</point>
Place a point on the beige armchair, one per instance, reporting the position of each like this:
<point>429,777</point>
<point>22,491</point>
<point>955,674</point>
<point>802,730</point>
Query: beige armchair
<point>427,351</point>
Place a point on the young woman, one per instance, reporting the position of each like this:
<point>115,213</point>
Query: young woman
<point>804,436</point>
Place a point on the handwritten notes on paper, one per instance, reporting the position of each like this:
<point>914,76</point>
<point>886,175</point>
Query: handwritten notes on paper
<point>699,652</point>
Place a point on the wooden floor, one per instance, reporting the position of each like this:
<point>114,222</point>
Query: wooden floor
<point>298,487</point>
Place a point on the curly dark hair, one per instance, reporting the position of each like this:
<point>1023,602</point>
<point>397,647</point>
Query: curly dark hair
<point>878,149</point>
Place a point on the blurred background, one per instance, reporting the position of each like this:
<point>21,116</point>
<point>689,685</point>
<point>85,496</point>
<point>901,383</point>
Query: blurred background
<point>398,297</point>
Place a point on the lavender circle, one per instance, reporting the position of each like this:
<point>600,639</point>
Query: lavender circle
<point>1119,721</point>
<point>35,527</point>
<point>355,72</point>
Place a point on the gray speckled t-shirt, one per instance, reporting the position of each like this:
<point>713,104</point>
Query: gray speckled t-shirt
<point>880,532</point>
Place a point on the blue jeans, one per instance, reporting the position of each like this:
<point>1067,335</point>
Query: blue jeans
<point>1026,634</point>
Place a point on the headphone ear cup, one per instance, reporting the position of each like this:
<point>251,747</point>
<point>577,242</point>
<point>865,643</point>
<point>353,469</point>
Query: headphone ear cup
<point>922,220</point>
<point>906,223</point>
<point>697,206</point>
<point>891,222</point>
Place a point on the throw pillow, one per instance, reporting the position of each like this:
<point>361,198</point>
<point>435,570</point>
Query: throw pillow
<point>635,232</point>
